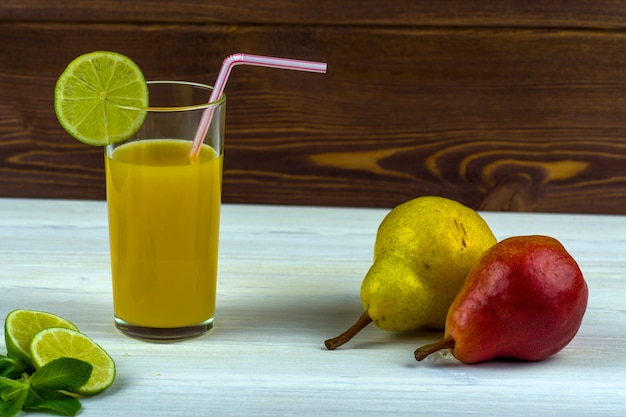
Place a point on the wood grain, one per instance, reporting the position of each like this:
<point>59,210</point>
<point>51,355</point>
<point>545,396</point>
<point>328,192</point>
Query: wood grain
<point>605,14</point>
<point>503,108</point>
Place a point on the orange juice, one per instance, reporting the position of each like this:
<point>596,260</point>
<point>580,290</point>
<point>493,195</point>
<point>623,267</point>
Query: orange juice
<point>164,229</point>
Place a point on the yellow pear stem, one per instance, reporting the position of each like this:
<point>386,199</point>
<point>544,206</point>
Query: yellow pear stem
<point>422,352</point>
<point>334,343</point>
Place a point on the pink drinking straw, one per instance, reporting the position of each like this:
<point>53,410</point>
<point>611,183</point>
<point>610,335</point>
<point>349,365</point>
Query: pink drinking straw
<point>246,59</point>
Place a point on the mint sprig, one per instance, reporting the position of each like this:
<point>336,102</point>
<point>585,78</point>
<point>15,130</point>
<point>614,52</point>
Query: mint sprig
<point>44,389</point>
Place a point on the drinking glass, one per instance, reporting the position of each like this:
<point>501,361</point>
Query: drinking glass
<point>164,211</point>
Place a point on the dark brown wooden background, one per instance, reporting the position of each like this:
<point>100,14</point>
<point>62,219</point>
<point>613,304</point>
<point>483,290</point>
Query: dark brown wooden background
<point>503,105</point>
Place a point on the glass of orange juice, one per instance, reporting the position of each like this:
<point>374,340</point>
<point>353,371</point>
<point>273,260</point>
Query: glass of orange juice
<point>164,210</point>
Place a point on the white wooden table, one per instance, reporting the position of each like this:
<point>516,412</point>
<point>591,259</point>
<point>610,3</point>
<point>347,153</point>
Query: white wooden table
<point>289,279</point>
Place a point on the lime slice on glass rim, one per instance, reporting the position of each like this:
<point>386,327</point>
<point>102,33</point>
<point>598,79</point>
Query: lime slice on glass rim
<point>57,342</point>
<point>100,98</point>
<point>20,326</point>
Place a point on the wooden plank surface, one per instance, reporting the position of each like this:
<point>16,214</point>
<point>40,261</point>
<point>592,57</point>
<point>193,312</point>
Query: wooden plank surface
<point>598,14</point>
<point>286,285</point>
<point>524,113</point>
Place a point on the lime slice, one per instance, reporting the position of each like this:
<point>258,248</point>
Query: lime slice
<point>21,326</point>
<point>99,97</point>
<point>57,342</point>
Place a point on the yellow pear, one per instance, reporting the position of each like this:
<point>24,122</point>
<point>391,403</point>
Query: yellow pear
<point>423,251</point>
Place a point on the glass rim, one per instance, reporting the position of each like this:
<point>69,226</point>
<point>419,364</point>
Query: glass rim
<point>199,106</point>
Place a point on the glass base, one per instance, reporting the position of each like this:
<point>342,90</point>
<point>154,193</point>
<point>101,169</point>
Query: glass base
<point>163,334</point>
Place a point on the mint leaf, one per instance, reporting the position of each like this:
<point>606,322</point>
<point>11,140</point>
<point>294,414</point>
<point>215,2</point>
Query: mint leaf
<point>10,388</point>
<point>61,374</point>
<point>13,394</point>
<point>10,409</point>
<point>11,367</point>
<point>52,401</point>
<point>45,385</point>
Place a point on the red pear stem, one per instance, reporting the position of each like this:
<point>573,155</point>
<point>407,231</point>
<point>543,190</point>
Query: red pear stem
<point>422,352</point>
<point>334,343</point>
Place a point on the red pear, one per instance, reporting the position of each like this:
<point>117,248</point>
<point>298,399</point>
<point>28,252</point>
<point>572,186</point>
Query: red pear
<point>524,299</point>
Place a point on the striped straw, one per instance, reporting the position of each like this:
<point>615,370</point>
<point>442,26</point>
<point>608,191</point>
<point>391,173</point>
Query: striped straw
<point>246,59</point>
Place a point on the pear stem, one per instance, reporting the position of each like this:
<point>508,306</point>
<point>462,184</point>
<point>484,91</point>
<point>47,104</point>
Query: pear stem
<point>422,352</point>
<point>360,324</point>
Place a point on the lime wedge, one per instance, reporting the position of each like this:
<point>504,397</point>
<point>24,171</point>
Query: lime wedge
<point>99,98</point>
<point>20,326</point>
<point>57,342</point>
